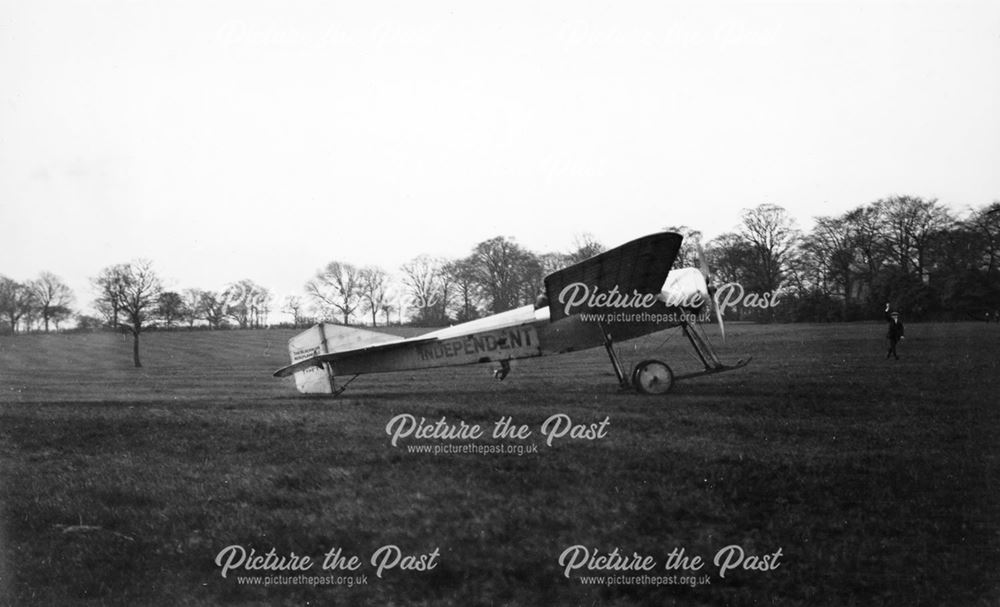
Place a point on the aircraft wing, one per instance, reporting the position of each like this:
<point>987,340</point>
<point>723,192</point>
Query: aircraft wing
<point>641,265</point>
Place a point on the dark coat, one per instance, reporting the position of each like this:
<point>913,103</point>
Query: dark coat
<point>895,327</point>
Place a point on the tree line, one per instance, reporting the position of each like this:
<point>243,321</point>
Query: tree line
<point>499,274</point>
<point>914,252</point>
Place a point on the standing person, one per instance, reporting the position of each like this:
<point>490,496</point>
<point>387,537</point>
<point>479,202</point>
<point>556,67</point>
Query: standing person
<point>895,331</point>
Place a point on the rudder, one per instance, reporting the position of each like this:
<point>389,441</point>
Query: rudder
<point>326,339</point>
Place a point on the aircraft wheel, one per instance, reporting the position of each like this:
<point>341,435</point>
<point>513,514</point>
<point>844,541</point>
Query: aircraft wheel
<point>652,377</point>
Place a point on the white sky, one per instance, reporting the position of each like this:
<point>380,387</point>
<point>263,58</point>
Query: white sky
<point>232,140</point>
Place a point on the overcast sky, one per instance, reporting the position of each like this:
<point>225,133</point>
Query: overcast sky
<point>231,140</point>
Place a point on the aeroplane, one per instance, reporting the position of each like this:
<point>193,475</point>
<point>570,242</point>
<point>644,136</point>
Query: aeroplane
<point>621,294</point>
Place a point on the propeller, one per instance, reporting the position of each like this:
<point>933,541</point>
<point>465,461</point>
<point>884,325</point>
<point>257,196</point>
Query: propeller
<point>703,264</point>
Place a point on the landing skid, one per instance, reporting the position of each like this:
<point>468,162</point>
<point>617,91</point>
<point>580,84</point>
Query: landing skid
<point>720,369</point>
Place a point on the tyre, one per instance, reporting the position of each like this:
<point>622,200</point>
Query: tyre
<point>652,377</point>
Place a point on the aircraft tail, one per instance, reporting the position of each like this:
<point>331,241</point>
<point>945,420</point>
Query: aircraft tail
<point>327,339</point>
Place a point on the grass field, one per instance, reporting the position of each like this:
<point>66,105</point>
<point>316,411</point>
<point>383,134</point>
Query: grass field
<point>877,479</point>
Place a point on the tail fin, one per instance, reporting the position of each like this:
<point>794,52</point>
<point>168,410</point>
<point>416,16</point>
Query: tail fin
<point>326,339</point>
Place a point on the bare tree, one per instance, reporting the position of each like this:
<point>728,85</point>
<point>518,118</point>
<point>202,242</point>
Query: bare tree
<point>429,286</point>
<point>169,307</point>
<point>86,322</point>
<point>212,308</point>
<point>335,289</point>
<point>531,280</point>
<point>372,289</point>
<point>247,303</point>
<point>506,273</point>
<point>830,253</point>
<point>16,301</point>
<point>51,295</point>
<point>109,285</point>
<point>293,305</point>
<point>910,224</point>
<point>585,246</point>
<point>237,297</point>
<point>260,306</point>
<point>865,225</point>
<point>138,292</point>
<point>687,256</point>
<point>729,256</point>
<point>387,309</point>
<point>191,310</point>
<point>60,314</point>
<point>771,234</point>
<point>466,287</point>
<point>986,222</point>
<point>550,262</point>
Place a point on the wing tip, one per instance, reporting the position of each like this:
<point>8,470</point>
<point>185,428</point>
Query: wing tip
<point>296,367</point>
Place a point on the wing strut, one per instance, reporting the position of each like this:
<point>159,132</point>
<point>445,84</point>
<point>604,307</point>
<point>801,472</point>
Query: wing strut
<point>335,391</point>
<point>623,381</point>
<point>701,347</point>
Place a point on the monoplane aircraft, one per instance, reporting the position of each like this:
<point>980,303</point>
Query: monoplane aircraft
<point>621,294</point>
